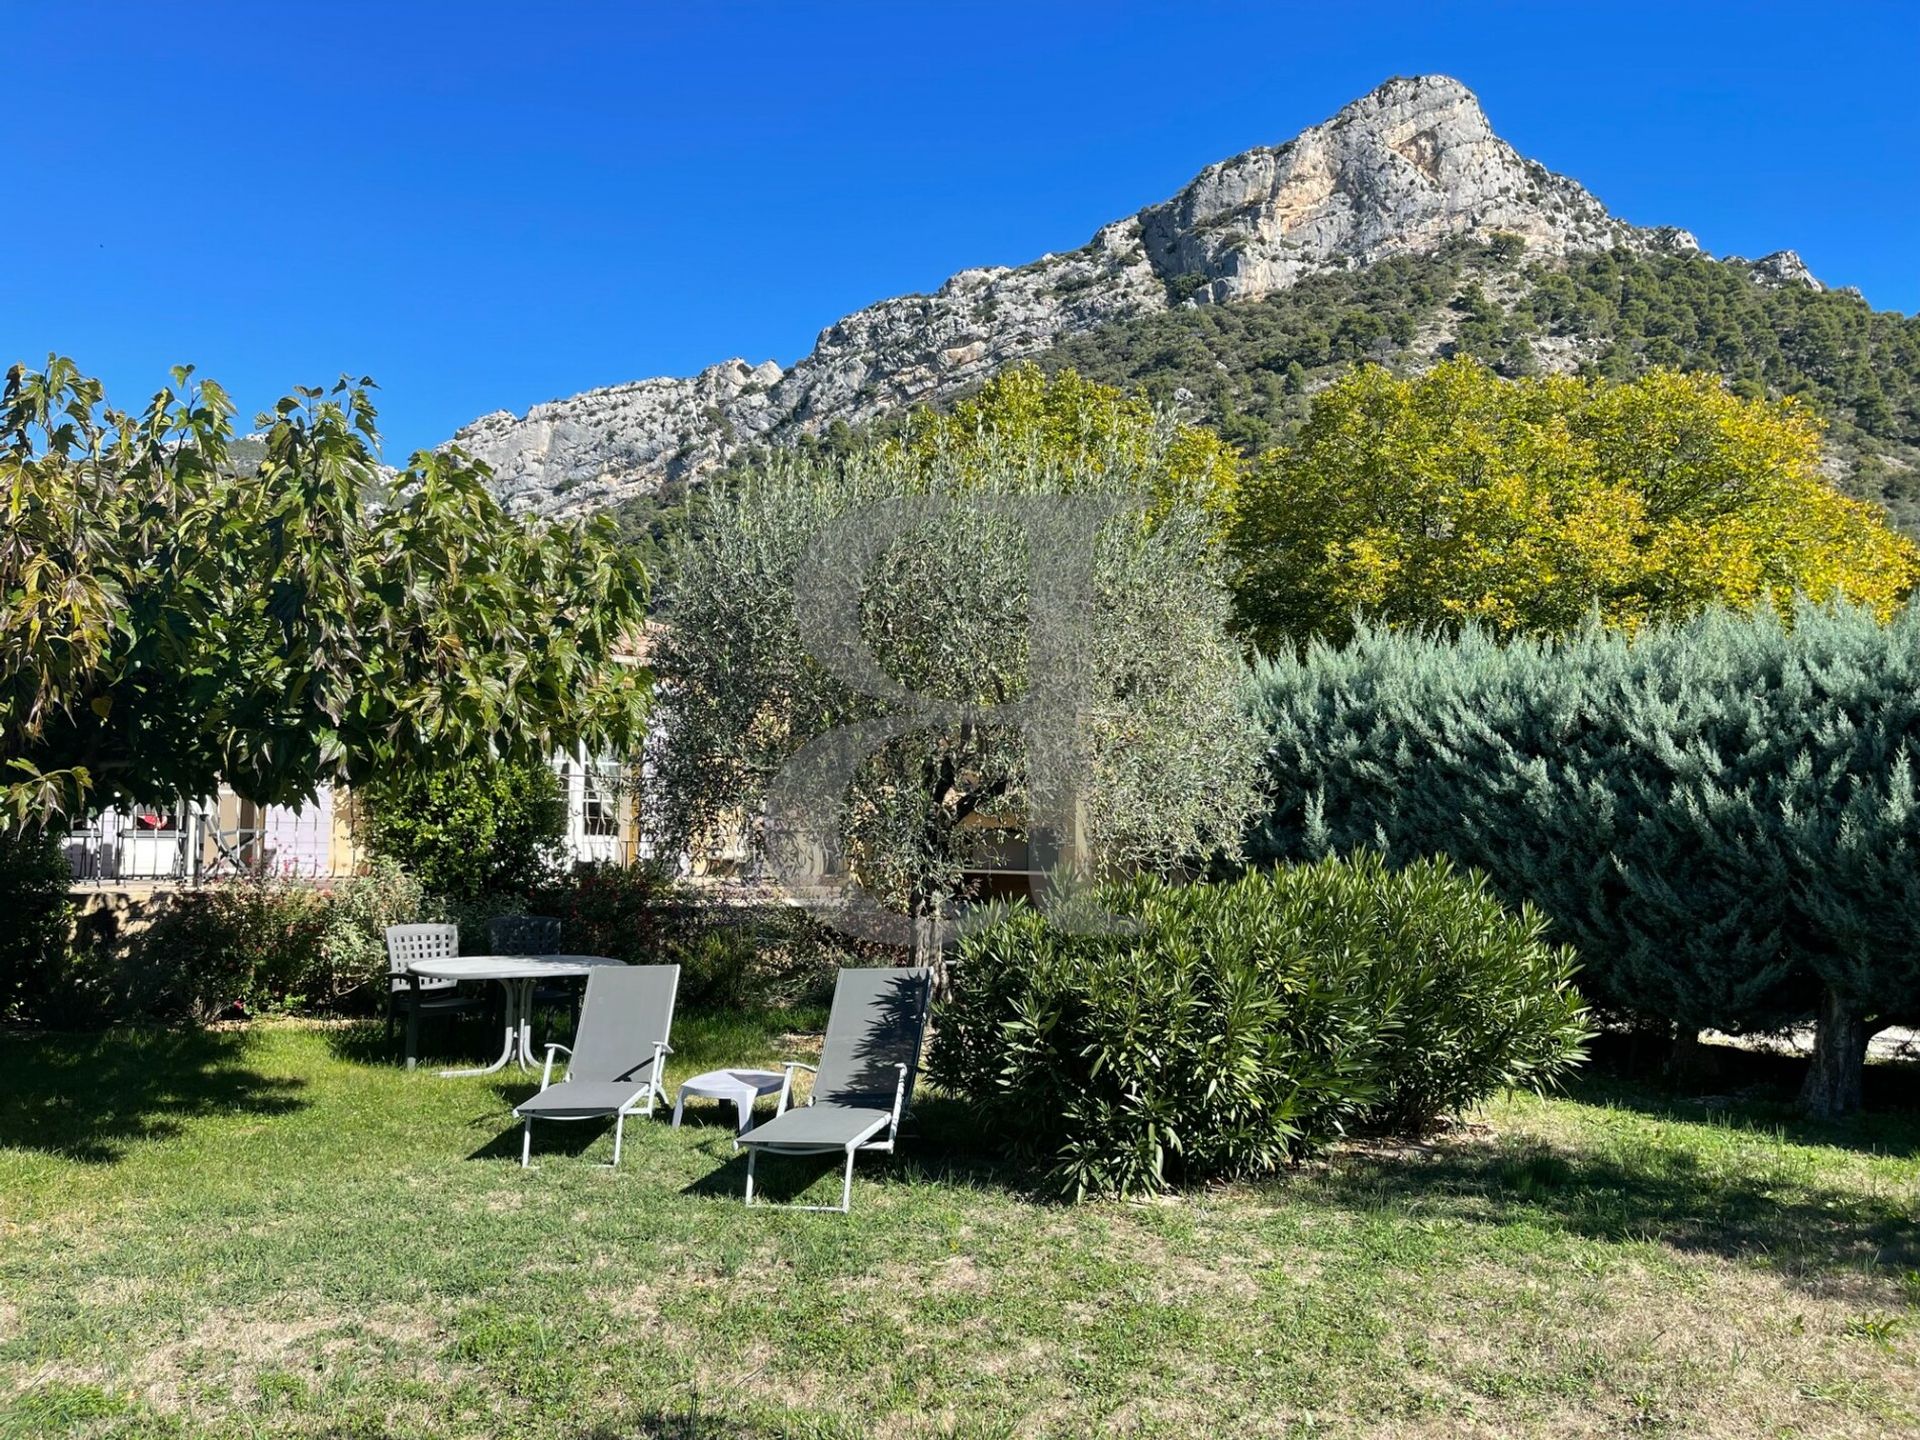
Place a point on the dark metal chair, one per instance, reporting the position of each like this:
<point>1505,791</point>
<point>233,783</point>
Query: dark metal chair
<point>414,995</point>
<point>538,935</point>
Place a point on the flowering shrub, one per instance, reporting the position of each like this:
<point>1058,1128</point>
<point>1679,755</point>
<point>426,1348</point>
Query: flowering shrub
<point>353,943</point>
<point>236,945</point>
<point>259,943</point>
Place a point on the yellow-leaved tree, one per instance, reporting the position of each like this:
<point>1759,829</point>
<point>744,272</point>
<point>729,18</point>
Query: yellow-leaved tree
<point>1076,422</point>
<point>1524,505</point>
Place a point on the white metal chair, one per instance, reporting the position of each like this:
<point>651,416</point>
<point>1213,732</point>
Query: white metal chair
<point>417,996</point>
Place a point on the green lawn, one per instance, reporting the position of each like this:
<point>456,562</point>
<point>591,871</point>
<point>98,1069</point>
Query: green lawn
<point>273,1233</point>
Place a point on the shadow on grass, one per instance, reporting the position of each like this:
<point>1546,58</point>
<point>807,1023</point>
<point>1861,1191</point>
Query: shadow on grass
<point>1758,1091</point>
<point>1662,1195</point>
<point>941,1142</point>
<point>461,1041</point>
<point>777,1179</point>
<point>690,1424</point>
<point>550,1137</point>
<point>88,1097</point>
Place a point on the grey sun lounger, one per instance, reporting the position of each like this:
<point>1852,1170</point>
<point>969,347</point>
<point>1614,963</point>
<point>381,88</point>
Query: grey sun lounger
<point>618,1056</point>
<point>864,1080</point>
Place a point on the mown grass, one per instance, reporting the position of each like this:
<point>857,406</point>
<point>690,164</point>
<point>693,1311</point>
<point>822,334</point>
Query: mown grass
<point>274,1232</point>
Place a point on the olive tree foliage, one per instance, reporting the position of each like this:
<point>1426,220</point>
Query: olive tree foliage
<point>1161,755</point>
<point>170,620</point>
<point>1719,813</point>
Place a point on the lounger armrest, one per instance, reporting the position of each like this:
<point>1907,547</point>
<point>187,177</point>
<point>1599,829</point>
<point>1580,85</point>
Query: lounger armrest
<point>786,1086</point>
<point>657,1076</point>
<point>546,1072</point>
<point>899,1100</point>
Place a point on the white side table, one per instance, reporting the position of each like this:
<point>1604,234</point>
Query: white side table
<point>742,1087</point>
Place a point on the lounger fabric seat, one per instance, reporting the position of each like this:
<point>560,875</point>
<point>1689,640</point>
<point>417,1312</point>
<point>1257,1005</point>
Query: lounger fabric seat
<point>618,1057</point>
<point>826,1125</point>
<point>583,1099</point>
<point>864,1081</point>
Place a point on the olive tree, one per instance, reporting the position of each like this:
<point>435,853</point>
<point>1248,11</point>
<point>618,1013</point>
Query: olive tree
<point>946,546</point>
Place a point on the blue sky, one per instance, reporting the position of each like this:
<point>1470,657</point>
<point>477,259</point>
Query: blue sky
<point>488,205</point>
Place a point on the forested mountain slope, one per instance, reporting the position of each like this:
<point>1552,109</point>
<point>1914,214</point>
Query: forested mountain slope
<point>1768,328</point>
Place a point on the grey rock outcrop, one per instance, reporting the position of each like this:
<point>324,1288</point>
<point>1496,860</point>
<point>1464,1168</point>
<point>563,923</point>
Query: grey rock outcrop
<point>1401,170</point>
<point>1783,267</point>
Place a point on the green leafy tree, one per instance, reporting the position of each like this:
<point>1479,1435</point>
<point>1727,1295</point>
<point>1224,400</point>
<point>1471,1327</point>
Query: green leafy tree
<point>1162,753</point>
<point>1240,368</point>
<point>1071,423</point>
<point>170,620</point>
<point>470,829</point>
<point>34,885</point>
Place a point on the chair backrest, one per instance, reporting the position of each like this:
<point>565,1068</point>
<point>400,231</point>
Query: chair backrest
<point>627,1011</point>
<point>523,935</point>
<point>879,1016</point>
<point>408,943</point>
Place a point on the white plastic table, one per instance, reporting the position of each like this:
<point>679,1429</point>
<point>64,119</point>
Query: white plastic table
<point>517,974</point>
<point>742,1087</point>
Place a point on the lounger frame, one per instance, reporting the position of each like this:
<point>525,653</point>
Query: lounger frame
<point>655,1088</point>
<point>864,1141</point>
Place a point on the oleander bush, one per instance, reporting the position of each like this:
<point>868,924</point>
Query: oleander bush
<point>1154,1034</point>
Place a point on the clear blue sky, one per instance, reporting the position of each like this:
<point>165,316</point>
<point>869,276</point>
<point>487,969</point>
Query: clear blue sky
<point>488,205</point>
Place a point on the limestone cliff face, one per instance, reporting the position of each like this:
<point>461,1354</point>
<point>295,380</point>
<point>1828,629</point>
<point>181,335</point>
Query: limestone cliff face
<point>1400,170</point>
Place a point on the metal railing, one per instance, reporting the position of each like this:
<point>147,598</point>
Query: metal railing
<point>188,844</point>
<point>192,842</point>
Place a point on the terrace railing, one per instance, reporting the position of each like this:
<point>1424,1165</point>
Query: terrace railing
<point>192,842</point>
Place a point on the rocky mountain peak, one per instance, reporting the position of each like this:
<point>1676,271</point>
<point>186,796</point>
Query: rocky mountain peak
<point>1401,170</point>
<point>1783,267</point>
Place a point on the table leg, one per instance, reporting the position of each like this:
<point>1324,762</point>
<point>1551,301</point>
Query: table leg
<point>512,1036</point>
<point>744,1104</point>
<point>527,1061</point>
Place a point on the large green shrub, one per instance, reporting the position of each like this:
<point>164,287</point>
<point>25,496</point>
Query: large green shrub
<point>1224,1029</point>
<point>352,955</point>
<point>730,956</point>
<point>1719,814</point>
<point>238,944</point>
<point>469,829</point>
<point>35,917</point>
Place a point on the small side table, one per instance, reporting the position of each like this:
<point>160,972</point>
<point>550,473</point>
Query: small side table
<point>742,1087</point>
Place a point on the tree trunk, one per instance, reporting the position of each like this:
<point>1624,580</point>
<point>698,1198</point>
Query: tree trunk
<point>1840,1038</point>
<point>929,948</point>
<point>1649,1046</point>
<point>1690,1063</point>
